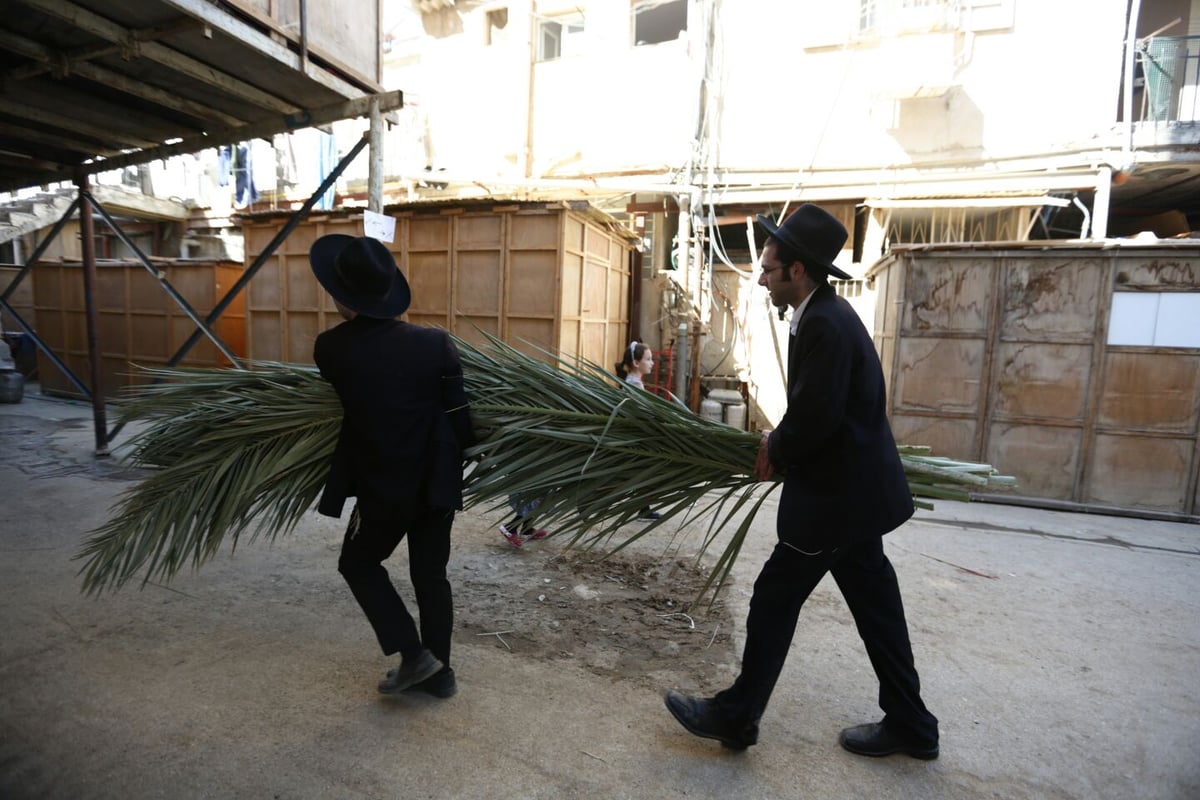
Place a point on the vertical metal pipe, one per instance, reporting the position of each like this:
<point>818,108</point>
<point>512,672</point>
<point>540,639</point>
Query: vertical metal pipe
<point>1127,89</point>
<point>681,366</point>
<point>1100,203</point>
<point>87,234</point>
<point>531,30</point>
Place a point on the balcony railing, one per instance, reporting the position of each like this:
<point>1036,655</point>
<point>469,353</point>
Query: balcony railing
<point>1169,68</point>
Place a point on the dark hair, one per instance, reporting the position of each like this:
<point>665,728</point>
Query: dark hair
<point>635,352</point>
<point>788,256</point>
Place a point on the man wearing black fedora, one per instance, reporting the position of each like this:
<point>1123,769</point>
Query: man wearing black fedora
<point>843,489</point>
<point>405,425</point>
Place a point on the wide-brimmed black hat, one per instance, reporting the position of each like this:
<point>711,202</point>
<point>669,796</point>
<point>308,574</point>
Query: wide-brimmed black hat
<point>361,274</point>
<point>814,234</point>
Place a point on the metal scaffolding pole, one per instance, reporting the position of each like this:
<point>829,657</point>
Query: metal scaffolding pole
<point>87,236</point>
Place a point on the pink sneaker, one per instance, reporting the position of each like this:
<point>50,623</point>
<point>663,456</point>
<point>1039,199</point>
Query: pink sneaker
<point>540,533</point>
<point>513,537</point>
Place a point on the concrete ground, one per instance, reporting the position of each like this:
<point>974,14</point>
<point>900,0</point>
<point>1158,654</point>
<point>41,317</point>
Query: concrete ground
<point>1060,651</point>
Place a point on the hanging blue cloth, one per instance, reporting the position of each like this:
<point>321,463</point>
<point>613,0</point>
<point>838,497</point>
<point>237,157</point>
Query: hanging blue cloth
<point>243,175</point>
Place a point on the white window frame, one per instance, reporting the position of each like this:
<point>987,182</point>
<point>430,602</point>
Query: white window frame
<point>565,32</point>
<point>1154,319</point>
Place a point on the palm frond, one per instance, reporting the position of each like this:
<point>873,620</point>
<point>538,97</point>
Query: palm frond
<point>244,453</point>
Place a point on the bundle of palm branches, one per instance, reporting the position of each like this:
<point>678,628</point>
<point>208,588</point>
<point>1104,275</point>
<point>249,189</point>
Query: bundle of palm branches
<point>235,453</point>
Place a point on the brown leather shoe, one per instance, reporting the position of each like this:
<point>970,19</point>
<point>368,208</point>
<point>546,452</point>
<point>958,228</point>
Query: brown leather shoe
<point>703,719</point>
<point>875,740</point>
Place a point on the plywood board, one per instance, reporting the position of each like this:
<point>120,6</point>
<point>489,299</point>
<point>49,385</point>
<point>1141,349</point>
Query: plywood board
<point>533,276</point>
<point>1041,380</point>
<point>21,299</point>
<point>137,321</point>
<point>479,231</point>
<point>507,271</point>
<point>535,232</point>
<point>1140,472</point>
<point>1147,390</point>
<point>948,436</point>
<point>479,279</point>
<point>1159,272</point>
<point>428,233</point>
<point>941,374</point>
<point>1043,458</point>
<point>344,30</point>
<point>1058,300</point>
<point>946,295</point>
<point>429,279</point>
<point>528,335</point>
<point>594,300</point>
<point>572,286</point>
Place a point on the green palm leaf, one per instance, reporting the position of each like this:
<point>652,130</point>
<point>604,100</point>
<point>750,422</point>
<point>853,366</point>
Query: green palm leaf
<point>238,453</point>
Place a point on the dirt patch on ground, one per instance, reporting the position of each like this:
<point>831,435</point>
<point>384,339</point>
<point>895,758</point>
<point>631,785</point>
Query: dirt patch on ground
<point>628,616</point>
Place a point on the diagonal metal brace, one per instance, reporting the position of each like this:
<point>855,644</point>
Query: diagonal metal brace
<point>41,248</point>
<point>46,350</point>
<point>270,249</point>
<point>162,279</point>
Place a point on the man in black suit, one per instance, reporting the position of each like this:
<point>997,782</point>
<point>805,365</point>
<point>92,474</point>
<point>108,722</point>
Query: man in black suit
<point>405,425</point>
<point>843,489</point>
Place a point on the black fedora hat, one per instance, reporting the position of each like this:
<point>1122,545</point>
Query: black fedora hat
<point>812,232</point>
<point>361,274</point>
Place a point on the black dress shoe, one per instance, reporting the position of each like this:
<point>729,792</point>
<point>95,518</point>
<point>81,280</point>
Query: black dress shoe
<point>410,672</point>
<point>441,684</point>
<point>873,739</point>
<point>703,719</point>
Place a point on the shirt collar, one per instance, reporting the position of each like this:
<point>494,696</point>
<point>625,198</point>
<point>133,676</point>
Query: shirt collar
<point>799,312</point>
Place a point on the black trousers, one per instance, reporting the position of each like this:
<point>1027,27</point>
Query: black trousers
<point>868,583</point>
<point>361,563</point>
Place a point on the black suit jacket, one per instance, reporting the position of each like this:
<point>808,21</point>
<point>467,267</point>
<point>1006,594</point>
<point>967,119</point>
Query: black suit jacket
<point>406,421</point>
<point>843,478</point>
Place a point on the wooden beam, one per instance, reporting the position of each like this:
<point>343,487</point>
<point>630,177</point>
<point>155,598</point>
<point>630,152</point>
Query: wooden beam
<point>89,53</point>
<point>43,138</point>
<point>661,205</point>
<point>68,123</point>
<point>358,107</point>
<point>54,59</point>
<point>77,103</point>
<point>100,26</point>
<point>29,163</point>
<point>233,27</point>
<point>284,36</point>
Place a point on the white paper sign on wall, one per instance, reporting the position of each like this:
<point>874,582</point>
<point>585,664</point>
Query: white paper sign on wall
<point>379,226</point>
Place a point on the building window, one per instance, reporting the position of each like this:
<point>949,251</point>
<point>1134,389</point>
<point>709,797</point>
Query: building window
<point>657,21</point>
<point>559,37</point>
<point>867,12</point>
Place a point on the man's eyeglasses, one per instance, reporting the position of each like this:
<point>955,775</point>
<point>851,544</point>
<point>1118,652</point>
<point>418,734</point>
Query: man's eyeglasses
<point>769,270</point>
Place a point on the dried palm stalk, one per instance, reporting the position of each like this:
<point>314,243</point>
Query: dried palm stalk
<point>244,452</point>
